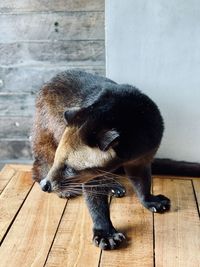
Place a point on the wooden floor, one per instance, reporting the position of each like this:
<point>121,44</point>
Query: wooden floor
<point>40,229</point>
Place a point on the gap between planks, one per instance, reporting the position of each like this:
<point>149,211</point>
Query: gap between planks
<point>12,199</point>
<point>5,176</point>
<point>196,190</point>
<point>30,237</point>
<point>177,233</point>
<point>36,239</point>
<point>130,217</point>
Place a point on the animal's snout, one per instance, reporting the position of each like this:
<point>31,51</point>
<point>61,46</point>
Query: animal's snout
<point>46,186</point>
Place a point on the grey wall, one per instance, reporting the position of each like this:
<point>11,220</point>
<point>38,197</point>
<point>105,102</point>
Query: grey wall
<point>155,45</point>
<point>37,40</point>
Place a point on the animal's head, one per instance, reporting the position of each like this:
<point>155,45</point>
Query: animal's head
<point>84,151</point>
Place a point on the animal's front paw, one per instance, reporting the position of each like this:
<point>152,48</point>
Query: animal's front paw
<point>107,240</point>
<point>157,203</point>
<point>118,191</point>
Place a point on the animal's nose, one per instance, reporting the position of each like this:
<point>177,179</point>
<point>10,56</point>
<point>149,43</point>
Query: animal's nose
<point>45,186</point>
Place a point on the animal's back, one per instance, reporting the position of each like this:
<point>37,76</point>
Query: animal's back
<point>100,104</point>
<point>69,89</point>
<point>108,125</point>
<point>72,88</point>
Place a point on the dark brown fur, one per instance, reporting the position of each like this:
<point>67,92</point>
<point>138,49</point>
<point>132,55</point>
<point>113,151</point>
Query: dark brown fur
<point>49,126</point>
<point>108,125</point>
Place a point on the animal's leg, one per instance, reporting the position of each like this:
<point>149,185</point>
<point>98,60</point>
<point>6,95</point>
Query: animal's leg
<point>140,177</point>
<point>105,235</point>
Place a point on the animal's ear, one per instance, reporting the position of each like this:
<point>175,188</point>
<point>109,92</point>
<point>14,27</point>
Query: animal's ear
<point>70,114</point>
<point>108,139</point>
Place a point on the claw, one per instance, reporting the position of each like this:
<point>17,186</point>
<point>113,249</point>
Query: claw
<point>154,209</point>
<point>96,240</point>
<point>111,241</point>
<point>119,237</point>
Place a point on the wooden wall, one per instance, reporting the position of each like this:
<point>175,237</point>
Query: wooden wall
<point>37,40</point>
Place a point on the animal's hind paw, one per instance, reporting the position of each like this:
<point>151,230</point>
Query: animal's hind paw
<point>157,203</point>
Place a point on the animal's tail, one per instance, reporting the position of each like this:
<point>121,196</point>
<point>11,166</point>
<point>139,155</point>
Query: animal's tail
<point>172,167</point>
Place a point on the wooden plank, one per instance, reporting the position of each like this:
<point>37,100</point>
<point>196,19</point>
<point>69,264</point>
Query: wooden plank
<point>30,237</point>
<point>27,163</point>
<point>72,245</point>
<point>15,149</point>
<point>60,26</point>
<point>6,174</point>
<point>12,198</point>
<point>196,183</point>
<point>177,233</point>
<point>52,52</point>
<point>15,127</point>
<point>16,104</point>
<point>51,5</point>
<point>26,79</point>
<point>21,167</point>
<point>129,217</point>
<point>173,177</point>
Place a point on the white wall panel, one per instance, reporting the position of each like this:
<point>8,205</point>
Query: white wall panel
<point>155,45</point>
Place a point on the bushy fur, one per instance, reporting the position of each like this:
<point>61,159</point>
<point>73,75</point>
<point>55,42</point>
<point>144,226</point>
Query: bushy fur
<point>97,104</point>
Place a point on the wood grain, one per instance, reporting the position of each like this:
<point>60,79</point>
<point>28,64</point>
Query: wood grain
<point>21,167</point>
<point>6,174</point>
<point>51,5</point>
<point>196,183</point>
<point>20,104</point>
<point>30,78</point>
<point>129,217</point>
<point>10,162</point>
<point>15,127</point>
<point>71,26</point>
<point>12,198</point>
<point>15,149</point>
<point>30,238</point>
<point>52,52</point>
<point>71,36</point>
<point>72,245</point>
<point>177,233</point>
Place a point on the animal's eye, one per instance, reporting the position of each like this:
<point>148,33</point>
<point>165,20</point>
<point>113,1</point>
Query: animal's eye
<point>69,171</point>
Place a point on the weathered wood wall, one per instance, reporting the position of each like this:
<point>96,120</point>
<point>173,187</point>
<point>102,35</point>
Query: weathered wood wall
<point>37,40</point>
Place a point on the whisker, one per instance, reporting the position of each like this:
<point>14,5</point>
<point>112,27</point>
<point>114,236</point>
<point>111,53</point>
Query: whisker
<point>101,178</point>
<point>79,190</point>
<point>93,187</point>
<point>104,179</point>
<point>93,183</point>
<point>113,174</point>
